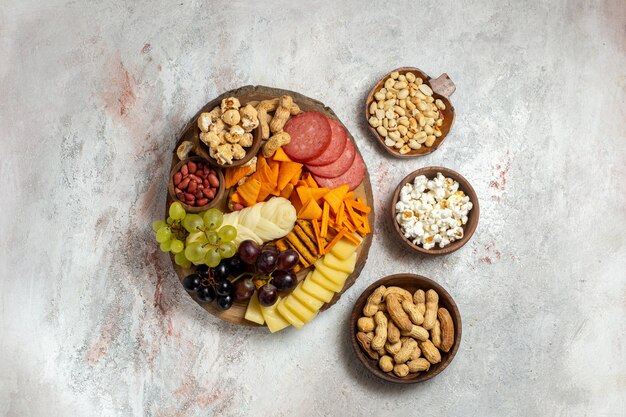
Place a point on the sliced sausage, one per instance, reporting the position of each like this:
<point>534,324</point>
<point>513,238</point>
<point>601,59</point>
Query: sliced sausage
<point>353,176</point>
<point>338,167</point>
<point>310,136</point>
<point>335,149</point>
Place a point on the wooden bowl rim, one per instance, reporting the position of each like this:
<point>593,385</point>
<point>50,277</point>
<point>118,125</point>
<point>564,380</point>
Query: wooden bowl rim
<point>445,299</point>
<point>218,195</point>
<point>473,217</point>
<point>416,152</point>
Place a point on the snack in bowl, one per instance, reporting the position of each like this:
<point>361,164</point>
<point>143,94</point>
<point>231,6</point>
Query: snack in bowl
<point>433,211</point>
<point>195,183</point>
<point>389,328</point>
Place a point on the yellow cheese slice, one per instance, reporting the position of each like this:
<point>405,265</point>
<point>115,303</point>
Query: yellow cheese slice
<point>338,277</point>
<point>346,265</point>
<point>319,278</point>
<point>275,322</point>
<point>317,291</point>
<point>343,249</point>
<point>306,299</point>
<point>299,309</point>
<point>289,316</point>
<point>253,312</point>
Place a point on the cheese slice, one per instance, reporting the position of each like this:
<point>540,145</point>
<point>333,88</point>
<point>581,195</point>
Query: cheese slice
<point>346,265</point>
<point>322,281</point>
<point>289,315</point>
<point>306,299</point>
<point>275,322</point>
<point>253,312</point>
<point>317,291</point>
<point>299,309</point>
<point>343,249</point>
<point>338,277</point>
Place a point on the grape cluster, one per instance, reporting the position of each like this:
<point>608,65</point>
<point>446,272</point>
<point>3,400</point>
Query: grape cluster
<point>212,284</point>
<point>205,242</point>
<point>273,268</point>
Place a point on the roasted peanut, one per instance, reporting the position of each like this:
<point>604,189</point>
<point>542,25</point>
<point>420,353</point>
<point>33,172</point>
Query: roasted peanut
<point>393,333</point>
<point>365,341</point>
<point>382,307</point>
<point>407,347</point>
<point>418,365</point>
<point>430,316</point>
<point>416,332</point>
<point>375,298</point>
<point>396,312</point>
<point>430,352</point>
<point>417,352</point>
<point>276,141</point>
<point>365,324</point>
<point>447,329</point>
<point>393,348</point>
<point>401,370</point>
<point>414,314</point>
<point>380,333</point>
<point>386,363</point>
<point>404,294</point>
<point>435,334</point>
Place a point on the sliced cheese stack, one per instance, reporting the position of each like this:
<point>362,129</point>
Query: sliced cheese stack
<point>305,301</point>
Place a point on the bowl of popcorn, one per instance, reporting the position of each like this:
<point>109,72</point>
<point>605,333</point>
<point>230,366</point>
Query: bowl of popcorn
<point>229,133</point>
<point>434,211</point>
<point>405,328</point>
<point>409,112</point>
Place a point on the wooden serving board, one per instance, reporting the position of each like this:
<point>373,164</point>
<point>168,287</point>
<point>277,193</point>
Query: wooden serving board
<point>191,132</point>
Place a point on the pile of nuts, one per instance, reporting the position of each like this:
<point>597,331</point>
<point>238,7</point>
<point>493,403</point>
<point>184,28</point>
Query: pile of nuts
<point>406,114</point>
<point>405,332</point>
<point>196,184</point>
<point>226,130</point>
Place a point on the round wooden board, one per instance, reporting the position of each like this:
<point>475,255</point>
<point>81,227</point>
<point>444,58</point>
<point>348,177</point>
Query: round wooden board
<point>245,94</point>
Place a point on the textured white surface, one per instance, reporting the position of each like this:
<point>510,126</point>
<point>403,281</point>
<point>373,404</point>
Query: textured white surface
<point>93,95</point>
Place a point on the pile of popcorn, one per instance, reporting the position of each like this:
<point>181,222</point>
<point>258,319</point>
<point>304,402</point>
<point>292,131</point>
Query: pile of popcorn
<point>432,212</point>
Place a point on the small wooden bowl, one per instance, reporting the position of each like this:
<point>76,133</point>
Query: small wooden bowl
<point>193,209</point>
<point>472,218</point>
<point>442,88</point>
<point>410,283</point>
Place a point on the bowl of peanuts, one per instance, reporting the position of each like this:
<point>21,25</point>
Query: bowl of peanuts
<point>405,328</point>
<point>196,184</point>
<point>409,112</point>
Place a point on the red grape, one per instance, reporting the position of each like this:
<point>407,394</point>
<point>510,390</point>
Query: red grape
<point>287,259</point>
<point>268,294</point>
<point>266,262</point>
<point>244,288</point>
<point>249,251</point>
<point>284,280</point>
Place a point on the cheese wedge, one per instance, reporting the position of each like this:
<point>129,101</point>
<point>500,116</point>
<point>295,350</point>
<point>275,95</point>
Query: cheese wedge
<point>344,265</point>
<point>319,278</point>
<point>317,291</point>
<point>338,277</point>
<point>253,312</point>
<point>343,249</point>
<point>289,315</point>
<point>306,299</point>
<point>275,322</point>
<point>297,308</point>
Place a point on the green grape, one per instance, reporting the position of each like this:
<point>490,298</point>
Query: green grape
<point>227,249</point>
<point>166,246</point>
<point>192,222</point>
<point>212,258</point>
<point>212,238</point>
<point>169,220</point>
<point>213,218</point>
<point>163,234</point>
<point>227,233</point>
<point>177,246</point>
<point>177,211</point>
<point>195,252</point>
<point>158,224</point>
<point>197,237</point>
<point>180,260</point>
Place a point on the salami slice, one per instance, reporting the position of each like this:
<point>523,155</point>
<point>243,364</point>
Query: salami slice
<point>338,167</point>
<point>310,136</point>
<point>353,176</point>
<point>335,149</point>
